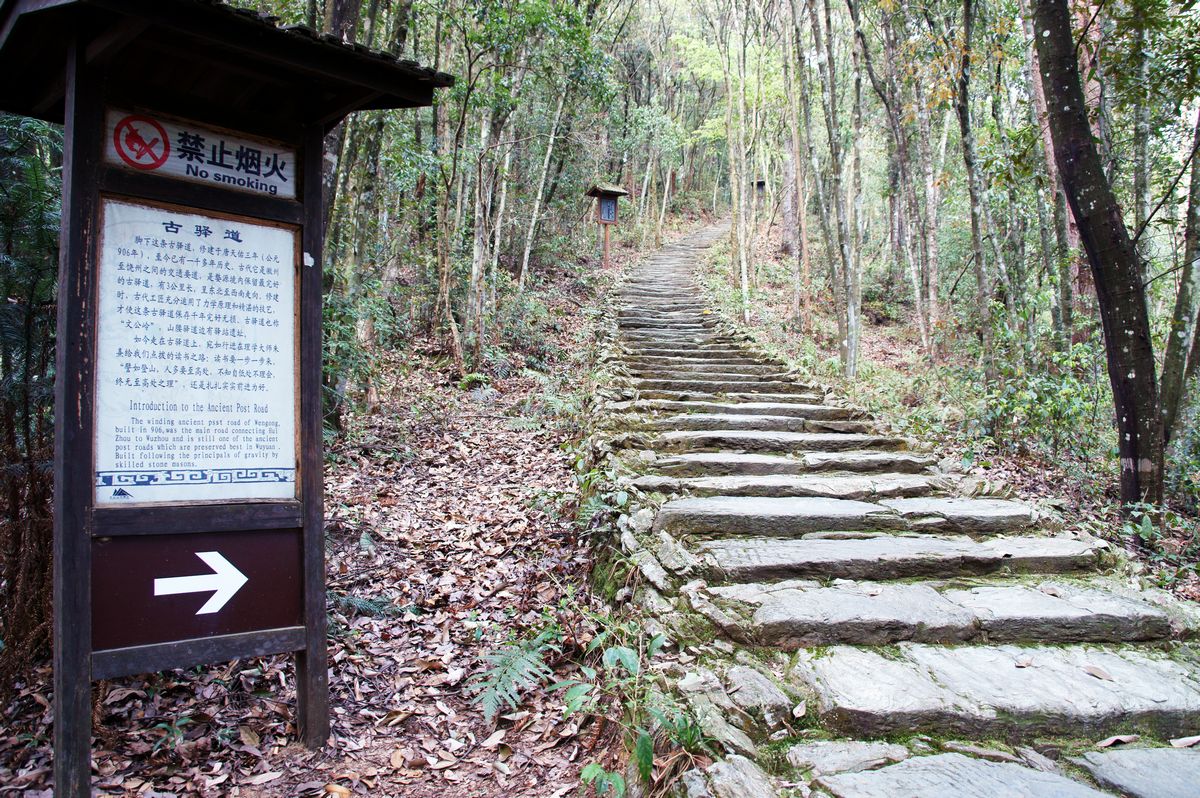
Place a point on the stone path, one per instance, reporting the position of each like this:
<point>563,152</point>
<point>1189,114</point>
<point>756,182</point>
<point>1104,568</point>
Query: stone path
<point>871,617</point>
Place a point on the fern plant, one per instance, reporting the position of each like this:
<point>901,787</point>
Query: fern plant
<point>514,667</point>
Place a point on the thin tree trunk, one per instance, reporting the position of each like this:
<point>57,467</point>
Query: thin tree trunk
<point>1180,338</point>
<point>537,197</point>
<point>962,107</point>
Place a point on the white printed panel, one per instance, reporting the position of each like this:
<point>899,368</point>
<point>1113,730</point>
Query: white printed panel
<point>163,146</point>
<point>195,360</point>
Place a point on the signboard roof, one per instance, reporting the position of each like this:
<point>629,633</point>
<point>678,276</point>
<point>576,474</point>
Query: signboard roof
<point>605,190</point>
<point>235,66</point>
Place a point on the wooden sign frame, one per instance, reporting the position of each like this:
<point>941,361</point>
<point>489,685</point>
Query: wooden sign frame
<point>80,525</point>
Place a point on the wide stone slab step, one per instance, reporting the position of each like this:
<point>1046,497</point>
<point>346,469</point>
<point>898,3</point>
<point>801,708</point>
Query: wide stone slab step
<point>663,367</point>
<point>781,442</point>
<point>887,557</point>
<point>709,422</point>
<point>704,362</point>
<point>1145,772</point>
<point>796,410</point>
<point>763,517</point>
<point>697,464</point>
<point>1005,692</point>
<point>872,613</point>
<point>954,776</point>
<point>732,396</point>
<point>668,350</point>
<point>724,384</point>
<point>975,516</point>
<point>715,374</point>
<point>832,486</point>
<point>791,516</point>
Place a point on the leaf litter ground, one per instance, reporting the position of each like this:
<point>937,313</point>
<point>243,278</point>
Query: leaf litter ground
<point>450,530</point>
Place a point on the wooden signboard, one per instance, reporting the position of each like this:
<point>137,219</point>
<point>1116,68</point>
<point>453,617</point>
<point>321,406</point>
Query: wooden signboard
<point>188,522</point>
<point>606,210</point>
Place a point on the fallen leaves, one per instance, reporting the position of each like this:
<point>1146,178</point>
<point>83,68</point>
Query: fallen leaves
<point>448,532</point>
<point>1118,739</point>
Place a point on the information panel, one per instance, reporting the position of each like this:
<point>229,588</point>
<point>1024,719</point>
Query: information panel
<point>196,358</point>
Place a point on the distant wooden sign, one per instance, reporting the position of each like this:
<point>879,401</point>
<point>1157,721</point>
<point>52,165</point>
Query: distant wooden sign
<point>606,210</point>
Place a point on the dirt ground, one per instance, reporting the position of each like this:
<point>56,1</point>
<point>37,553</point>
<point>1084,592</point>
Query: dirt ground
<point>450,529</point>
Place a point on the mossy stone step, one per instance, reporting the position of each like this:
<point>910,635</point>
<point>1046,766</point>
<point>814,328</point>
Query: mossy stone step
<point>953,776</point>
<point>778,442</point>
<point>792,616</point>
<point>789,517</point>
<point>888,557</point>
<point>831,486</point>
<point>797,409</point>
<point>726,463</point>
<point>1006,691</point>
<point>720,421</point>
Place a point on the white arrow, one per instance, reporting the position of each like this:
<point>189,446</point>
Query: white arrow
<point>225,581</point>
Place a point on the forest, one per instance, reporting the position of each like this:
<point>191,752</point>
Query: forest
<point>923,210</point>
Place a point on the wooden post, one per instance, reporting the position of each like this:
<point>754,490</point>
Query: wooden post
<point>73,386</point>
<point>605,226</point>
<point>312,663</point>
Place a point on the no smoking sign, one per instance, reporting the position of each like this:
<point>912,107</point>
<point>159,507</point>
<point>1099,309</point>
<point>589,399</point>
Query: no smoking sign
<point>141,142</point>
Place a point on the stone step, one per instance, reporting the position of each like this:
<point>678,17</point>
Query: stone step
<point>719,421</point>
<point>798,410</point>
<point>699,464</point>
<point>664,325</point>
<point>791,517</point>
<point>696,363</point>
<point>784,442</point>
<point>775,380</point>
<point>886,557</point>
<point>833,486</point>
<point>954,776</point>
<point>1145,772</point>
<point>1005,691</point>
<point>794,615</point>
<point>731,396</point>
<point>664,367</point>
<point>697,352</point>
<point>723,385</point>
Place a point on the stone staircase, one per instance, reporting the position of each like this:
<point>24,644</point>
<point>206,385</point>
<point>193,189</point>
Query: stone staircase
<point>845,573</point>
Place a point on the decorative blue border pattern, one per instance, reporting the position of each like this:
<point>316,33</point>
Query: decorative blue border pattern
<point>193,476</point>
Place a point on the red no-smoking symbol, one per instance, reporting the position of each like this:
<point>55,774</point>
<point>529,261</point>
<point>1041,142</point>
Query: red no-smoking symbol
<point>141,142</point>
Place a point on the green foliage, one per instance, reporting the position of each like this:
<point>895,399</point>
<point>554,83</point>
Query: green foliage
<point>370,606</point>
<point>30,208</point>
<point>1054,405</point>
<point>514,667</point>
<point>605,782</point>
<point>1168,540</point>
<point>474,380</point>
<point>171,733</point>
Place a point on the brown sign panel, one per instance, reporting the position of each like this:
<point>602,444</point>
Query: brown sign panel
<point>158,588</point>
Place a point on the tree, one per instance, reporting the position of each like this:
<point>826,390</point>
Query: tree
<point>1111,254</point>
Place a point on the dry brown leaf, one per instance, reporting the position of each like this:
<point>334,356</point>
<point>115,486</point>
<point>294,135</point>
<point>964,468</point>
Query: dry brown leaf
<point>1185,742</point>
<point>1118,739</point>
<point>1098,672</point>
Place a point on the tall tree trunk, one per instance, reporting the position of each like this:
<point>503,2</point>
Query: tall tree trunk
<point>537,197</point>
<point>1114,261</point>
<point>1180,338</point>
<point>983,280</point>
